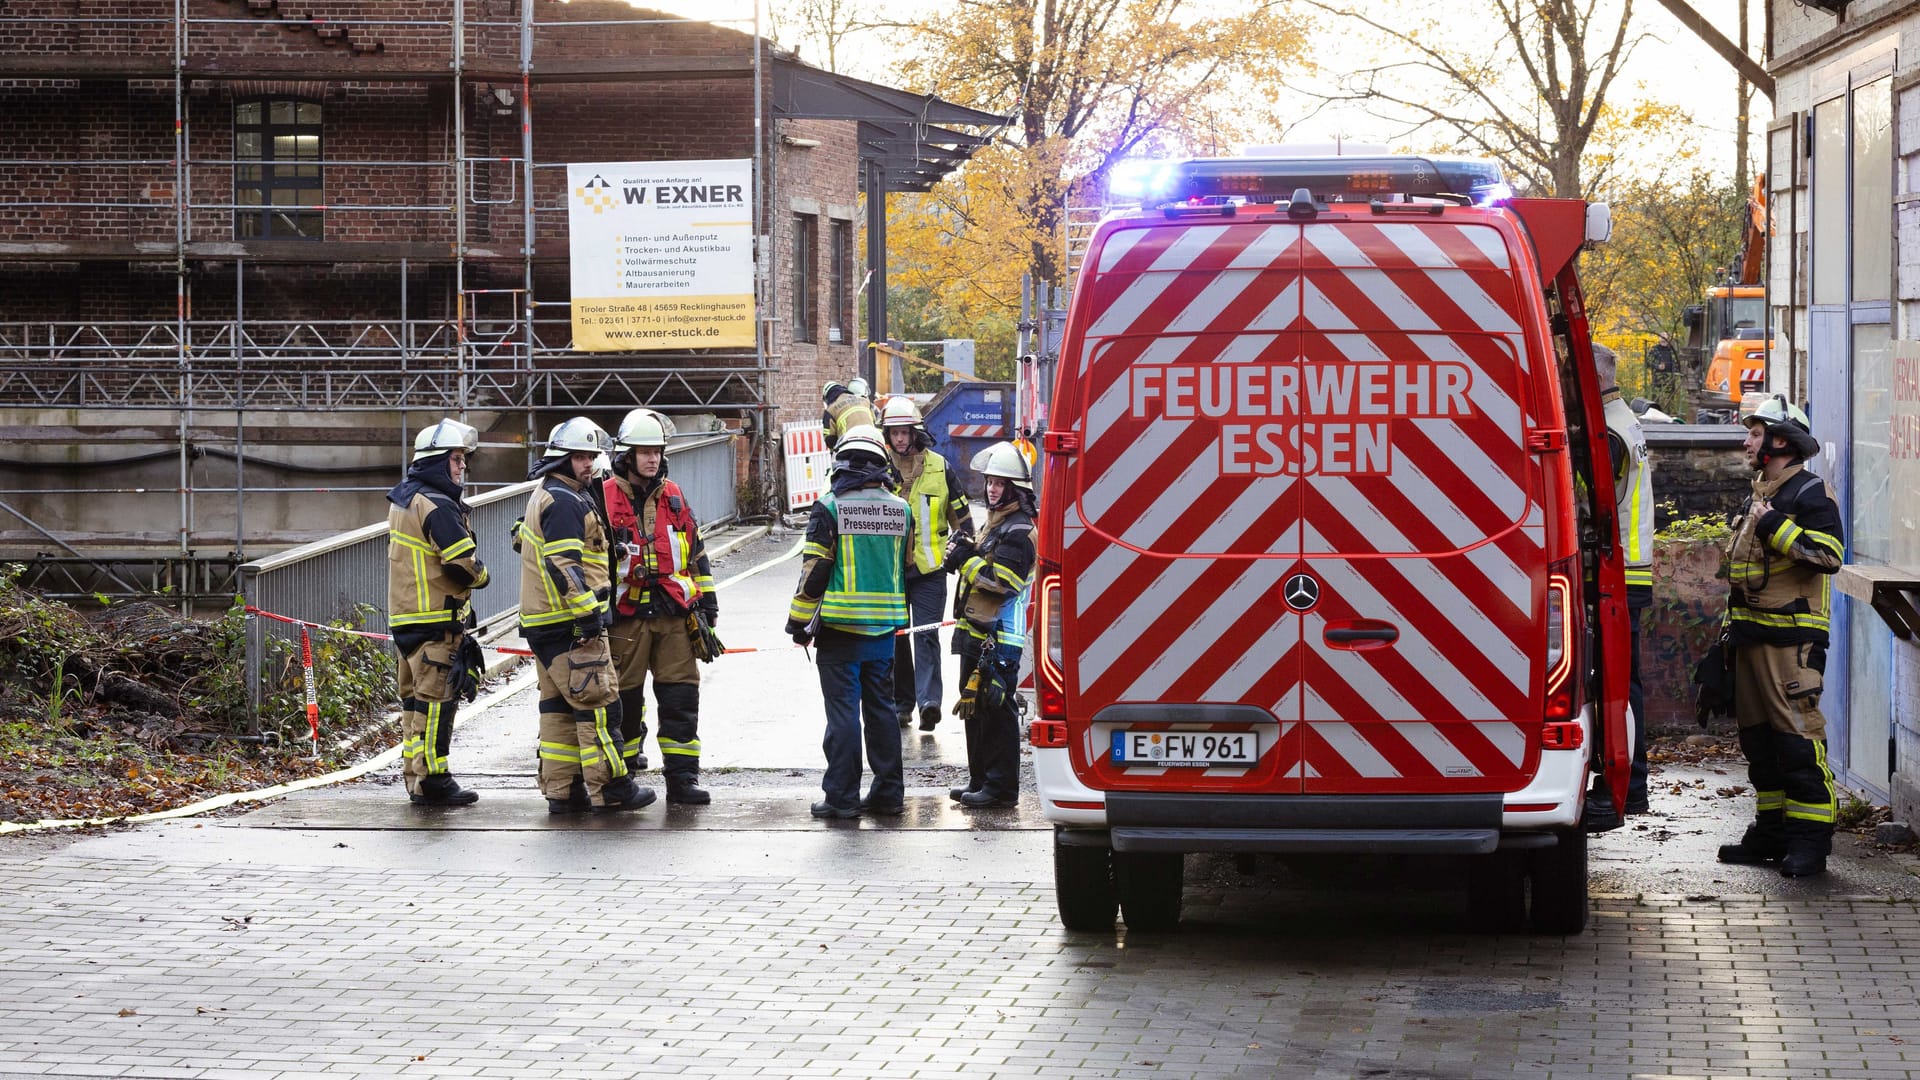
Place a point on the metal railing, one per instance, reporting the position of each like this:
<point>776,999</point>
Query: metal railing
<point>325,580</point>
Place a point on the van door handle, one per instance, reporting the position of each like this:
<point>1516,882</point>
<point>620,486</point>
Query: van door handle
<point>1361,634</point>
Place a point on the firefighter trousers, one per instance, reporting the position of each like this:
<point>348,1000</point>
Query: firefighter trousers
<point>1776,693</point>
<point>916,656</point>
<point>427,707</point>
<point>579,718</point>
<point>993,741</point>
<point>659,647</point>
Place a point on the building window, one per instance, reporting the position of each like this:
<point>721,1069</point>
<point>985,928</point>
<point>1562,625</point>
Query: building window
<point>277,133</point>
<point>806,299</point>
<point>840,273</point>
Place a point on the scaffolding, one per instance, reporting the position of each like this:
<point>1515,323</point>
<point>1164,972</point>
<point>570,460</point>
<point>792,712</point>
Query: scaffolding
<point>479,230</point>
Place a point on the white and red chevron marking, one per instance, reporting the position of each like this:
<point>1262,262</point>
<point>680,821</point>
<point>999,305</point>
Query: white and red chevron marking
<point>1173,567</point>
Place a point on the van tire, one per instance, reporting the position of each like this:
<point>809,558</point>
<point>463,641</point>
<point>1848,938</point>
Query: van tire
<point>1559,873</point>
<point>1497,892</point>
<point>1083,887</point>
<point>1149,884</point>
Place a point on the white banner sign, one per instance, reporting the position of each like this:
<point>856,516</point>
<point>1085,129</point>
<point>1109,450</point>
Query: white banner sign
<point>661,254</point>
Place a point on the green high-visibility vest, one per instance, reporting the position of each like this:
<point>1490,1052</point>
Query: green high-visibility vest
<point>868,592</point>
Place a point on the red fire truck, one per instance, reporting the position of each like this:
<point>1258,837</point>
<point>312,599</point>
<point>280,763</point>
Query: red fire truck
<point>1324,567</point>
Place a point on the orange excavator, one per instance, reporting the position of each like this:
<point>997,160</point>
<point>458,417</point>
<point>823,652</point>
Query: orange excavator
<point>1727,336</point>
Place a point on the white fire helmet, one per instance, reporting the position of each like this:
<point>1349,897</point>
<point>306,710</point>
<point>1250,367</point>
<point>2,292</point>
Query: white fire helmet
<point>1004,460</point>
<point>861,438</point>
<point>447,435</point>
<point>859,387</point>
<point>900,411</point>
<point>577,435</point>
<point>643,427</point>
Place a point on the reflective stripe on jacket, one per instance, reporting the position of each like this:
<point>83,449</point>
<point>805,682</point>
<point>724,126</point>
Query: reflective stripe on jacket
<point>863,534</point>
<point>563,559</point>
<point>1633,496</point>
<point>667,552</point>
<point>1003,571</point>
<point>937,504</point>
<point>1781,560</point>
<point>420,591</point>
<point>847,410</point>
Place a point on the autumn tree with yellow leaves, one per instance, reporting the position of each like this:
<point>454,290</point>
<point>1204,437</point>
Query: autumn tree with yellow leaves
<point>1086,84</point>
<point>1532,84</point>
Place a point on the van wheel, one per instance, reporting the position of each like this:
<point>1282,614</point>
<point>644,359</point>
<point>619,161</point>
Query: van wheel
<point>1559,874</point>
<point>1149,883</point>
<point>1083,886</point>
<point>1497,892</point>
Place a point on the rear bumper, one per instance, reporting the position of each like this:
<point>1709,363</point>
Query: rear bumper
<point>1302,824</point>
<point>1334,824</point>
<point>1309,841</point>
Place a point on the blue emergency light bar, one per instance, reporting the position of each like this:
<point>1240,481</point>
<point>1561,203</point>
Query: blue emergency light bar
<point>1330,179</point>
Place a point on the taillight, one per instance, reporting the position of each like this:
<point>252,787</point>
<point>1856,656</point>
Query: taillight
<point>1050,598</point>
<point>1050,687</point>
<point>1563,687</point>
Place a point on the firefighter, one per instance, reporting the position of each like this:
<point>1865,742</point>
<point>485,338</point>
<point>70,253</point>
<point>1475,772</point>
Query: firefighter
<point>1784,546</point>
<point>850,601</point>
<point>661,575</point>
<point>938,505</point>
<point>565,589</point>
<point>1633,504</point>
<point>846,409</point>
<point>432,570</point>
<point>995,576</point>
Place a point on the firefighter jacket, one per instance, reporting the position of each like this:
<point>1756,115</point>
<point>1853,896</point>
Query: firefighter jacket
<point>564,575</point>
<point>844,411</point>
<point>1781,561</point>
<point>1632,496</point>
<point>432,564</point>
<point>853,564</point>
<point>938,504</point>
<point>996,577</point>
<point>660,563</point>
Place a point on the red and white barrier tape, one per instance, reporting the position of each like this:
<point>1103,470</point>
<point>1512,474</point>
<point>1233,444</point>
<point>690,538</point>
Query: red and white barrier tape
<point>306,625</point>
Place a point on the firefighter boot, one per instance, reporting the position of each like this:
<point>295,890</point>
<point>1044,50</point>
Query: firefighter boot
<point>576,801</point>
<point>623,794</point>
<point>1808,844</point>
<point>1765,841</point>
<point>683,787</point>
<point>1598,815</point>
<point>441,789</point>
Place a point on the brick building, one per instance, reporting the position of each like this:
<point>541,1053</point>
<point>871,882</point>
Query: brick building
<point>247,248</point>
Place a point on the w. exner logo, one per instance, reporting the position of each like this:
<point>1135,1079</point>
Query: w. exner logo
<point>596,194</point>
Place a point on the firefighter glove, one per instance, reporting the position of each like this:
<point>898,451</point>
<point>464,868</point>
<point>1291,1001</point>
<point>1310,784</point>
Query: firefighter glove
<point>707,645</point>
<point>469,669</point>
<point>969,697</point>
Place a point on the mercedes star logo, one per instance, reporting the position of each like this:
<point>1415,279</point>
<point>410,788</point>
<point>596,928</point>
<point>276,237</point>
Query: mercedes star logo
<point>1301,592</point>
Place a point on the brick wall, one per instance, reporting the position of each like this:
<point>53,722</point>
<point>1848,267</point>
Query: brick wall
<point>820,183</point>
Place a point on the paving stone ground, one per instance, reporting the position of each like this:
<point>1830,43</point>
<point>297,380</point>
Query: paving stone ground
<point>139,968</point>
